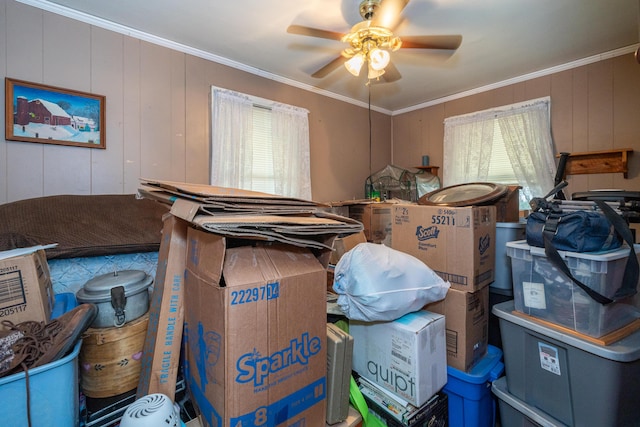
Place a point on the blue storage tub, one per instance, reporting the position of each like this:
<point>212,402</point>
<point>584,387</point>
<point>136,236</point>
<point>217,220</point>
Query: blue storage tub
<point>53,387</point>
<point>471,402</point>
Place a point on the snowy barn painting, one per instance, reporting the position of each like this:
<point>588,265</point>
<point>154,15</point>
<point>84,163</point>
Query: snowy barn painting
<point>46,114</point>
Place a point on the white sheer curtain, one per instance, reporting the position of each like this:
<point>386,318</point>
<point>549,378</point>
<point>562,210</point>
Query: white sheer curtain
<point>467,150</point>
<point>231,139</point>
<point>291,154</point>
<point>526,132</point>
<point>232,144</point>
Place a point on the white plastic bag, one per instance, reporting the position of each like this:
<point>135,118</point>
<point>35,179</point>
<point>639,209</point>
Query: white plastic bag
<point>378,283</point>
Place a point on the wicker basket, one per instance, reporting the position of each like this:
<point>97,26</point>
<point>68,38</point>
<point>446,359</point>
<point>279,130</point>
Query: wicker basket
<point>110,358</point>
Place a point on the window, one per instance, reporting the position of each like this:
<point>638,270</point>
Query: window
<point>500,169</point>
<point>259,145</point>
<point>263,177</point>
<point>508,145</point>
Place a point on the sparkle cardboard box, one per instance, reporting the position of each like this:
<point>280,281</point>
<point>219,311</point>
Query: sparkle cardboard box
<point>406,356</point>
<point>26,292</point>
<point>457,243</point>
<point>255,331</point>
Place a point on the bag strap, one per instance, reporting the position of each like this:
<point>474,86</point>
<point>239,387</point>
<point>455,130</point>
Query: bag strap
<point>554,257</point>
<point>631,271</point>
<point>630,277</point>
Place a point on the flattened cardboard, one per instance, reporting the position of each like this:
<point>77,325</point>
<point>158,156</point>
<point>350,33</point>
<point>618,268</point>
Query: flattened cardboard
<point>204,192</point>
<point>467,324</point>
<point>161,353</point>
<point>457,243</point>
<point>26,288</point>
<point>255,332</point>
<point>251,215</point>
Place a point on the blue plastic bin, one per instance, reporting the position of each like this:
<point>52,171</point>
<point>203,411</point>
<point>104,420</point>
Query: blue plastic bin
<point>471,402</point>
<point>53,387</point>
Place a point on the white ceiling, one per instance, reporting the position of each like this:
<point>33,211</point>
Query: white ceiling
<point>503,40</point>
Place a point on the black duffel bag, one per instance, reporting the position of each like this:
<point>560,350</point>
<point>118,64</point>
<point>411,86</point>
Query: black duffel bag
<point>553,228</point>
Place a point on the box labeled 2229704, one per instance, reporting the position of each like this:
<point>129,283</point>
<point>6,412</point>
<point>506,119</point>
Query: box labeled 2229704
<point>256,332</point>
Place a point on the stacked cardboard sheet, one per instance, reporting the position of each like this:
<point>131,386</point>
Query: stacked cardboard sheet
<point>252,215</point>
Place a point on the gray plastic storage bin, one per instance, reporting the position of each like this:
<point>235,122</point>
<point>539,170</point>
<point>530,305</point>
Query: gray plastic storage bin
<point>505,232</point>
<point>514,412</point>
<point>575,381</point>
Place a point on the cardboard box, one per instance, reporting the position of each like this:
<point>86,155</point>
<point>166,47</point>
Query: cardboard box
<point>467,323</point>
<point>25,286</point>
<point>161,352</point>
<point>456,243</point>
<point>342,245</point>
<point>376,219</point>
<point>508,206</point>
<point>406,356</point>
<point>255,332</point>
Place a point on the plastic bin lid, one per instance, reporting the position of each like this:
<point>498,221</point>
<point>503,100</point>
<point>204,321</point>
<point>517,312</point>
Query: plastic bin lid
<point>604,256</point>
<point>486,369</point>
<point>499,388</point>
<point>625,350</point>
<point>514,224</point>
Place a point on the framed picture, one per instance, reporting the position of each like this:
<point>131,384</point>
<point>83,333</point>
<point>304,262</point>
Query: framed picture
<point>52,115</point>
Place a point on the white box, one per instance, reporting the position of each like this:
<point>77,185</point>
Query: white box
<point>407,356</point>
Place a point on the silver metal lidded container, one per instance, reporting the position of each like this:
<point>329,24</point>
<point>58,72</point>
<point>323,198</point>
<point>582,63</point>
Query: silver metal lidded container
<point>121,296</point>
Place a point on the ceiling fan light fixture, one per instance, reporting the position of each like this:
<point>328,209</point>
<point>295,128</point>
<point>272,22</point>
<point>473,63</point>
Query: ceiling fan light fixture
<point>379,59</point>
<point>373,73</point>
<point>372,40</point>
<point>354,64</point>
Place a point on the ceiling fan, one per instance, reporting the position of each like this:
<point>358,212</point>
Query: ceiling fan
<point>371,41</point>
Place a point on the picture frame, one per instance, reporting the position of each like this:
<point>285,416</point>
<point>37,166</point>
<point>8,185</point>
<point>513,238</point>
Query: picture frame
<point>51,115</point>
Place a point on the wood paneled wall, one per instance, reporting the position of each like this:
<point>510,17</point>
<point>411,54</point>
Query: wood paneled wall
<point>157,113</point>
<point>594,107</point>
<point>158,122</point>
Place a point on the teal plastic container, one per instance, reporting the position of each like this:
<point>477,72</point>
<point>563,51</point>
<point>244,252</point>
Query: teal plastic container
<point>471,402</point>
<point>53,388</point>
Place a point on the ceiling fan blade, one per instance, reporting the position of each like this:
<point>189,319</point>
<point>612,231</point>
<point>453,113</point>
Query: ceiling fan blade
<point>431,42</point>
<point>331,66</point>
<point>388,13</point>
<point>313,32</point>
<point>391,73</point>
